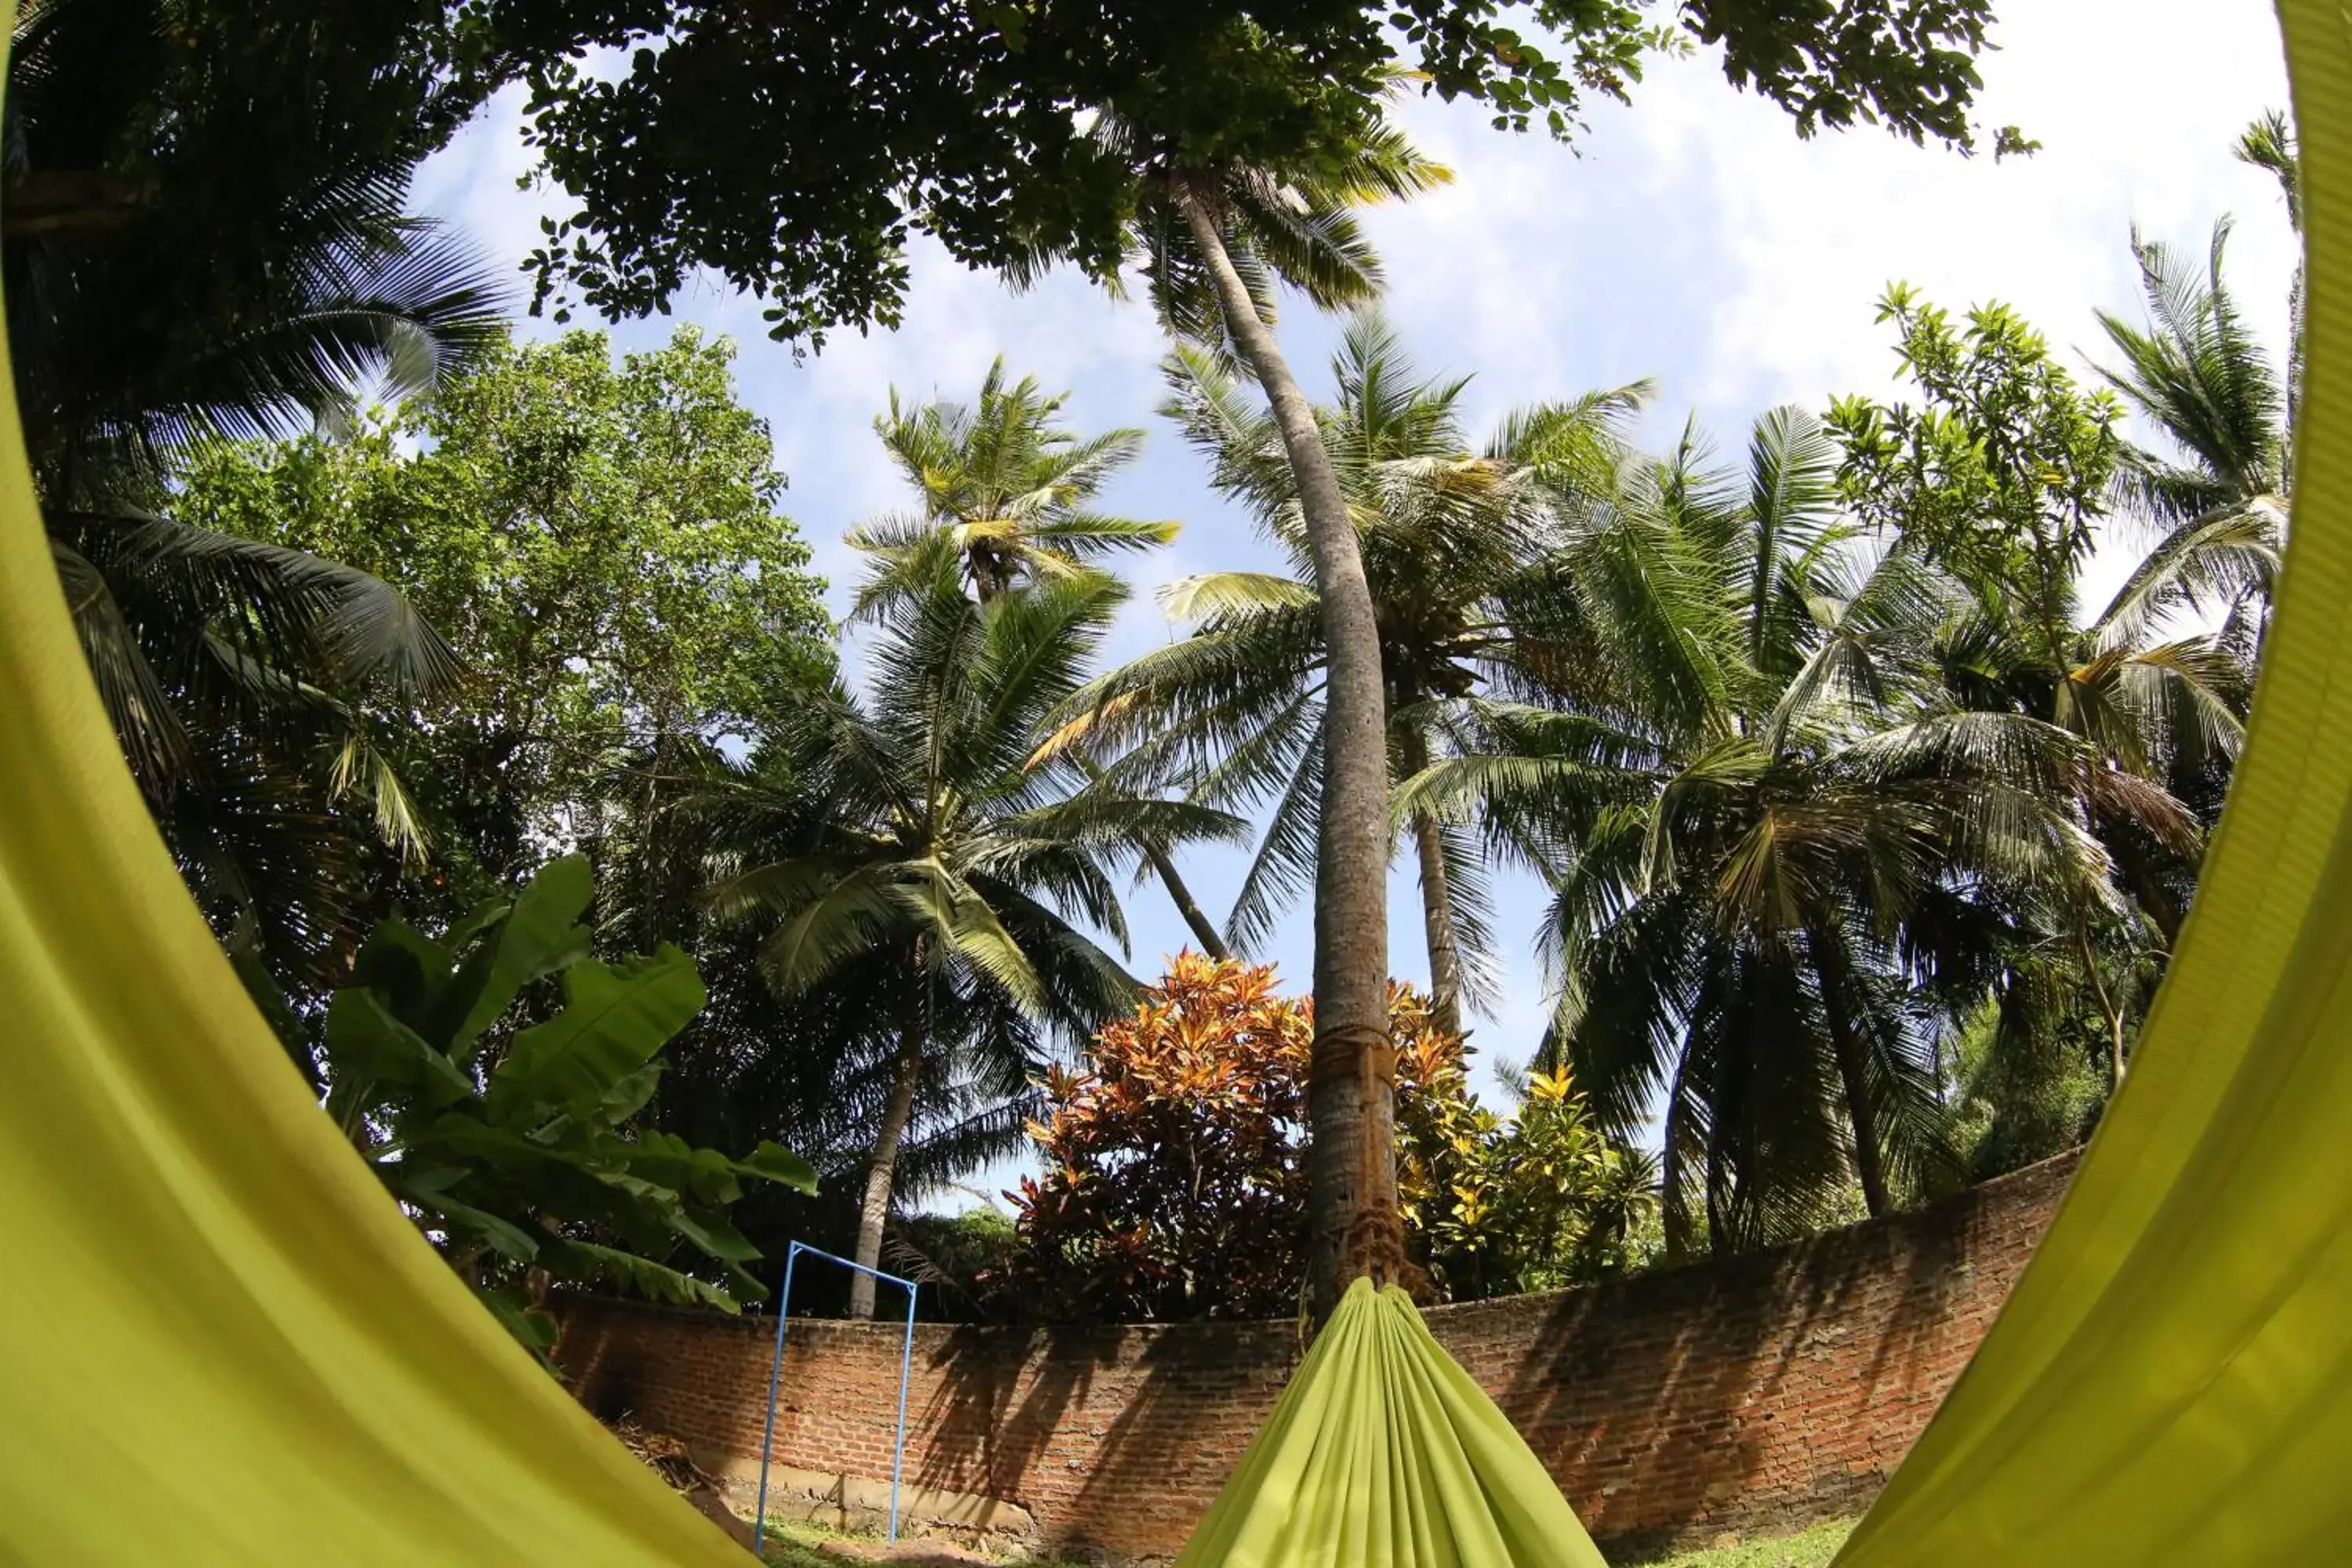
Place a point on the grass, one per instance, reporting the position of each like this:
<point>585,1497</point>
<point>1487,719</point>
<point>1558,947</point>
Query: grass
<point>1813,1549</point>
<point>795,1546</point>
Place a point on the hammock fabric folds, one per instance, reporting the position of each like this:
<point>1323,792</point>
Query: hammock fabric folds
<point>220,1343</point>
<point>1382,1451</point>
<point>2171,1381</point>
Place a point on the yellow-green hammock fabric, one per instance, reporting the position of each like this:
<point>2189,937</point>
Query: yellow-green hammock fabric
<point>224,1345</point>
<point>1382,1451</point>
<point>2171,1381</point>
<point>220,1343</point>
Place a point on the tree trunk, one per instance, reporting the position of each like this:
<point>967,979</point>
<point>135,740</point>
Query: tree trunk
<point>1354,1224</point>
<point>1861,1112</point>
<point>1437,928</point>
<point>1436,902</point>
<point>1204,930</point>
<point>873,1213</point>
<point>2110,1006</point>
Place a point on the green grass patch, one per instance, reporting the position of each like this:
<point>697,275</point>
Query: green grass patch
<point>1813,1549</point>
<point>795,1546</point>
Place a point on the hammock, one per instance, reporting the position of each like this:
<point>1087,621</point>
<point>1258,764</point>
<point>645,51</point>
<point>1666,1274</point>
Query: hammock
<point>224,1345</point>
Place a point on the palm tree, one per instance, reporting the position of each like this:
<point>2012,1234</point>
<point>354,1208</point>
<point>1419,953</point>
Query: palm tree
<point>1767,890</point>
<point>1009,487</point>
<point>2196,374</point>
<point>2270,145</point>
<point>924,825</point>
<point>1456,545</point>
<point>1005,491</point>
<point>238,674</point>
<point>2002,479</point>
<point>1212,242</point>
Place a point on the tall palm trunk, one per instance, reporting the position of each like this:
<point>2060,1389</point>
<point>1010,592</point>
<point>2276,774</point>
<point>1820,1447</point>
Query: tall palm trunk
<point>874,1210</point>
<point>1437,927</point>
<point>1436,900</point>
<point>1204,930</point>
<point>1354,1224</point>
<point>1829,961</point>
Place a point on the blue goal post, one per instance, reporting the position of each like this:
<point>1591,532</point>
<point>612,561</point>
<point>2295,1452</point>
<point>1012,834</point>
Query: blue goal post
<point>776,1370</point>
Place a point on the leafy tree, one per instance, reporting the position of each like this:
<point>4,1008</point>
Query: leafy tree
<point>852,127</point>
<point>600,540</point>
<point>1004,493</point>
<point>1175,1187</point>
<point>920,822</point>
<point>185,256</point>
<point>1008,487</point>
<point>2271,146</point>
<point>158,299</point>
<point>1999,477</point>
<point>2196,374</point>
<point>517,1146</point>
<point>1502,1206</point>
<point>1458,547</point>
<point>958,1262</point>
<point>849,126</point>
<point>815,1071</point>
<point>2018,1095</point>
<point>1776,863</point>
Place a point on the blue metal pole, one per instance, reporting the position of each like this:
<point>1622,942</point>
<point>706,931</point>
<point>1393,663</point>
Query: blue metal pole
<point>898,1450</point>
<point>776,1371</point>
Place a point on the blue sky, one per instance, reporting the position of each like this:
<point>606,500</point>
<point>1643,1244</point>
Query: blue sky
<point>1692,238</point>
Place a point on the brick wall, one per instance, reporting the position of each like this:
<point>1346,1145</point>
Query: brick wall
<point>1744,1397</point>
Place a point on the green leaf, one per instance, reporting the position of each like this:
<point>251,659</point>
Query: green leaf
<point>778,1163</point>
<point>429,1191</point>
<point>587,1263</point>
<point>540,936</point>
<point>407,965</point>
<point>535,1330</point>
<point>714,1236</point>
<point>614,1018</point>
<point>365,1044</point>
<point>630,1095</point>
<point>670,1161</point>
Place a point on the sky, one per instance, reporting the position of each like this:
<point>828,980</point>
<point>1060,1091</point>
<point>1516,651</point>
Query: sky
<point>1691,238</point>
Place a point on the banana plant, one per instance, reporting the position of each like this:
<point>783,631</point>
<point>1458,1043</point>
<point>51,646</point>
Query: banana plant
<point>493,1078</point>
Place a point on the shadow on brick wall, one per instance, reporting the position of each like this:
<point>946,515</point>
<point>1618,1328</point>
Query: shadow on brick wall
<point>1753,1394</point>
<point>1115,1438</point>
<point>1756,1390</point>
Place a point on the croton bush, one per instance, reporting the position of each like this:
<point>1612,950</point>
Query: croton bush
<point>1174,1180</point>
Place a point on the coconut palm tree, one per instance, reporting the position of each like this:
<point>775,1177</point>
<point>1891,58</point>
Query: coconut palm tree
<point>196,304</point>
<point>1009,486</point>
<point>1006,492</point>
<point>1212,242</point>
<point>1767,894</point>
<point>1456,545</point>
<point>923,824</point>
<point>2197,374</point>
<point>2003,478</point>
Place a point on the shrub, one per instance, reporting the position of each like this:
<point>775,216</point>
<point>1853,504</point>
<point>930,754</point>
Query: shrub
<point>1174,1182</point>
